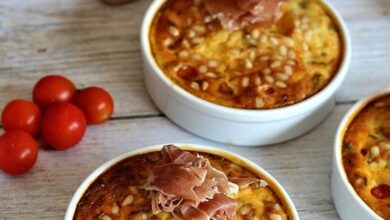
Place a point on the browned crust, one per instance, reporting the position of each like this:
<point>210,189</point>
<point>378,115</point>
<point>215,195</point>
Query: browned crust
<point>117,183</point>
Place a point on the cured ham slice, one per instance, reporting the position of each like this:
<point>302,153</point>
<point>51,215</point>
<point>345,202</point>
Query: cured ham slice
<point>172,154</point>
<point>164,202</point>
<point>207,190</point>
<point>178,180</point>
<point>187,183</point>
<point>220,207</point>
<point>235,14</point>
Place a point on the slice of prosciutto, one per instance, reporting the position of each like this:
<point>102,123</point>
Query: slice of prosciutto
<point>220,207</point>
<point>188,184</point>
<point>235,14</point>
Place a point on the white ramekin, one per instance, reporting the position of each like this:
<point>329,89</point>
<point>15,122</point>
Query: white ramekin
<point>238,126</point>
<point>348,203</point>
<point>282,194</point>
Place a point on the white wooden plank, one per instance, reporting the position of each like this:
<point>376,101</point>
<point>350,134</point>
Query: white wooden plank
<point>95,44</point>
<point>368,23</point>
<point>91,43</point>
<point>301,165</point>
<point>98,45</point>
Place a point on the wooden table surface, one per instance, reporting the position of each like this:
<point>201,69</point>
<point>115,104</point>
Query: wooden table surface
<point>94,44</point>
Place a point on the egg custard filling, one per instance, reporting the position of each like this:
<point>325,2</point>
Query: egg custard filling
<point>178,184</point>
<point>254,67</point>
<point>366,155</point>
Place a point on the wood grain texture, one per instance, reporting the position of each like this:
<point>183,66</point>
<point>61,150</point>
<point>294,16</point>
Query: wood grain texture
<point>90,42</point>
<point>94,44</point>
<point>369,26</point>
<point>302,166</point>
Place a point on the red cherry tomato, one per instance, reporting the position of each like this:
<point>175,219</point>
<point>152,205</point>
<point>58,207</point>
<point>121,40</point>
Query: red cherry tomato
<point>18,152</point>
<point>381,191</point>
<point>63,126</point>
<point>21,115</point>
<point>53,89</point>
<point>96,103</point>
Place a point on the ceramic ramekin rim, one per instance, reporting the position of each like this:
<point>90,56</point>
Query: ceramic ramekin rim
<point>187,146</point>
<point>337,151</point>
<point>235,114</point>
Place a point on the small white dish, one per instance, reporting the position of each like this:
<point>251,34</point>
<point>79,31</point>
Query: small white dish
<point>239,126</point>
<point>282,194</point>
<point>348,203</point>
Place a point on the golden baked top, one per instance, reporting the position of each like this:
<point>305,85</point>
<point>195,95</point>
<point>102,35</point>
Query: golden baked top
<point>366,155</point>
<point>251,68</point>
<point>116,193</point>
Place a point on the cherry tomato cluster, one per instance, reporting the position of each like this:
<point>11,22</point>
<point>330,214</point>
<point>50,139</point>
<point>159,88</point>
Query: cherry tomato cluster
<point>58,113</point>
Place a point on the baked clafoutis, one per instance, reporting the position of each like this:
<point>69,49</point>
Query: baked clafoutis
<point>253,67</point>
<point>178,184</point>
<point>366,155</point>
